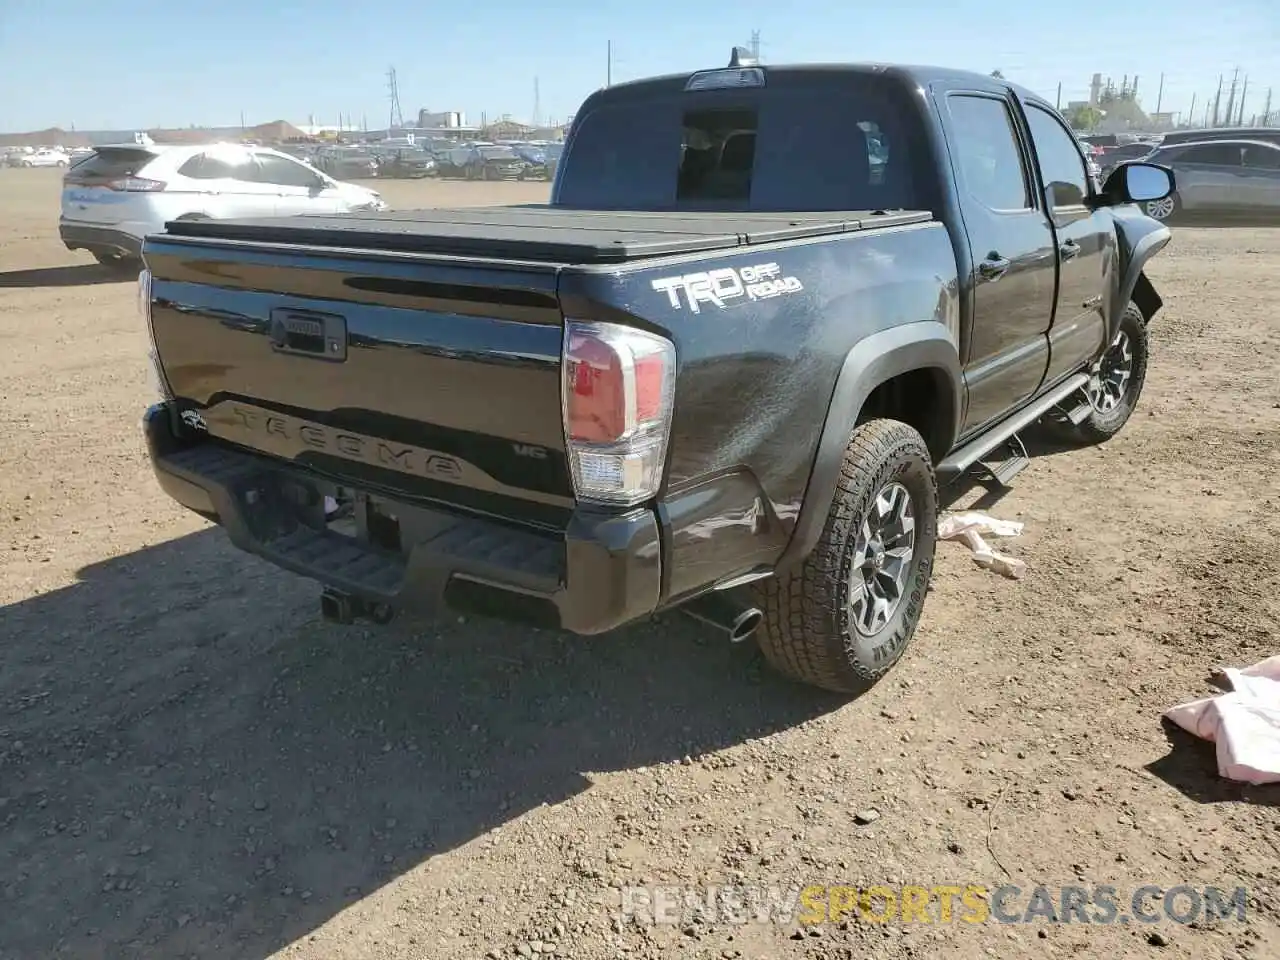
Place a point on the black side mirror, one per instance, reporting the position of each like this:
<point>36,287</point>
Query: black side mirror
<point>1138,182</point>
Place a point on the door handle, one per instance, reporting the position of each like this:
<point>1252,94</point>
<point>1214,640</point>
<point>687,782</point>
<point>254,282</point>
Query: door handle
<point>1069,250</point>
<point>994,267</point>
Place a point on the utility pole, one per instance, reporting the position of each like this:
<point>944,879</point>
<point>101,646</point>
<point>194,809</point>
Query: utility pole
<point>1217,102</point>
<point>1057,100</point>
<point>537,104</point>
<point>393,89</point>
<point>1160,94</point>
<point>1231,99</point>
<point>608,70</point>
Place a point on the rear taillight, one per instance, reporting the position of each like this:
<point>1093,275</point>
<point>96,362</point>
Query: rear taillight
<point>155,373</point>
<point>136,185</point>
<point>618,387</point>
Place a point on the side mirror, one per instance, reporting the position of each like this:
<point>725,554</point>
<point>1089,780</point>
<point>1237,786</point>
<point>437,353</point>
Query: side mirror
<point>1139,182</point>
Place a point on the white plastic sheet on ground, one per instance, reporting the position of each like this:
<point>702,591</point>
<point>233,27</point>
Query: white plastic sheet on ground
<point>969,527</point>
<point>1244,723</point>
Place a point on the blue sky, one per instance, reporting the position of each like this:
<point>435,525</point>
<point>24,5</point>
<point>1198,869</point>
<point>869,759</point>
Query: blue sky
<point>109,65</point>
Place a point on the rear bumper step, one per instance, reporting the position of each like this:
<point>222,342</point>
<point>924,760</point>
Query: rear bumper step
<point>603,571</point>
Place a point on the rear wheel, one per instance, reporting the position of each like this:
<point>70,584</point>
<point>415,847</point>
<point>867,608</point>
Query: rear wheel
<point>847,614</point>
<point>1164,208</point>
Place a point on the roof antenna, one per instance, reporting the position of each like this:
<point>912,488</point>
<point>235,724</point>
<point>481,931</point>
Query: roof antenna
<point>741,57</point>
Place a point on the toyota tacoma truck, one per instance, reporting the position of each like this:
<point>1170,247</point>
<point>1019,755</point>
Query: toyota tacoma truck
<point>766,310</point>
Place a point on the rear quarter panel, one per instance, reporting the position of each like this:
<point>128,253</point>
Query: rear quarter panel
<point>755,376</point>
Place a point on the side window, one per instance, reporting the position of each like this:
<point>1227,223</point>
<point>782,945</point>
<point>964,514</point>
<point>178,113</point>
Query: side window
<point>218,166</point>
<point>986,147</point>
<point>283,172</point>
<point>877,149</point>
<point>1218,154</point>
<point>1262,158</point>
<point>1066,180</point>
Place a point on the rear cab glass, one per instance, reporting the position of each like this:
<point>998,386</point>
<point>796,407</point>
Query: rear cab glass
<point>110,163</point>
<point>803,142</point>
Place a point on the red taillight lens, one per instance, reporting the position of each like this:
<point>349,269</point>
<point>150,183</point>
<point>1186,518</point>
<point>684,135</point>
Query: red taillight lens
<point>596,397</point>
<point>136,185</point>
<point>618,386</point>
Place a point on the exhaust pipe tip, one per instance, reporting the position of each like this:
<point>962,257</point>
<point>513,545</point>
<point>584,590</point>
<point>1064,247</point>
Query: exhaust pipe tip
<point>737,619</point>
<point>745,624</point>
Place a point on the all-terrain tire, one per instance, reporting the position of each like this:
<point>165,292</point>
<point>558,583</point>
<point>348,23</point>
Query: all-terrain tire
<point>808,633</point>
<point>1102,425</point>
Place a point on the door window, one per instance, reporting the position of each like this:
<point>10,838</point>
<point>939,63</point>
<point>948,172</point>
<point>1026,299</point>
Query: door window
<point>219,165</point>
<point>1218,154</point>
<point>1262,157</point>
<point>1061,163</point>
<point>283,172</point>
<point>988,154</point>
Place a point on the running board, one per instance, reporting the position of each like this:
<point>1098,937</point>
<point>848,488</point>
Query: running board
<point>962,459</point>
<point>1004,472</point>
<point>1080,414</point>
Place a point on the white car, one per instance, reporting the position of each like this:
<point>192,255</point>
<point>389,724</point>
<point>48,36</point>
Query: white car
<point>118,196</point>
<point>46,158</point>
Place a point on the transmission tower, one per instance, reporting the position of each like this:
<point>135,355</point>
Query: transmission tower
<point>755,45</point>
<point>397,118</point>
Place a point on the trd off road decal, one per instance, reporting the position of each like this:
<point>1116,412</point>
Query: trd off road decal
<point>763,281</point>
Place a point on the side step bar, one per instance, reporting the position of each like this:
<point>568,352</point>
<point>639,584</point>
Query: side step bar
<point>977,448</point>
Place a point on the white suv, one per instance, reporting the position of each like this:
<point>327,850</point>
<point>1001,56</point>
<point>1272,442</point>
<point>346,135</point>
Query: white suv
<point>120,194</point>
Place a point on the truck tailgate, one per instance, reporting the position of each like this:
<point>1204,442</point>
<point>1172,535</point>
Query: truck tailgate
<point>434,381</point>
<point>418,352</point>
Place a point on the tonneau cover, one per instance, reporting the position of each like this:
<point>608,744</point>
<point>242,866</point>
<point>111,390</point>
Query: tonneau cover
<point>541,233</point>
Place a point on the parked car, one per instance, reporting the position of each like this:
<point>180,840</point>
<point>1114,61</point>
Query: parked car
<point>1112,157</point>
<point>1220,178</point>
<point>347,162</point>
<point>46,157</point>
<point>716,373</point>
<point>404,163</point>
<point>489,162</point>
<point>1091,155</point>
<point>122,193</point>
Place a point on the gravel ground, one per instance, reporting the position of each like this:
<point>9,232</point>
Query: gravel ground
<point>192,764</point>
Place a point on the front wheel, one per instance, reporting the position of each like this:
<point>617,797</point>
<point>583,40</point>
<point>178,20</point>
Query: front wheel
<point>1115,382</point>
<point>846,615</point>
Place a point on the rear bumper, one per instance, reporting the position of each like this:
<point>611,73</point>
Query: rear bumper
<point>79,236</point>
<point>603,571</point>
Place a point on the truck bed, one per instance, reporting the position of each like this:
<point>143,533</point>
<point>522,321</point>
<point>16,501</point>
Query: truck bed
<point>541,233</point>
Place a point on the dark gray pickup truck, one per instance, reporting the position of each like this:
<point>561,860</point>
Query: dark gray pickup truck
<point>765,309</point>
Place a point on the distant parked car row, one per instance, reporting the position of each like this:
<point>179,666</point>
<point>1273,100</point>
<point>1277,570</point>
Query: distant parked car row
<point>41,157</point>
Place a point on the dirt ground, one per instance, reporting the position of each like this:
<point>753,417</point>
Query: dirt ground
<point>192,764</point>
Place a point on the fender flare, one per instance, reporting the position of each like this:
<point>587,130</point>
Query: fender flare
<point>1134,285</point>
<point>925,345</point>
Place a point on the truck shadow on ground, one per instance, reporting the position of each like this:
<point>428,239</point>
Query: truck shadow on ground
<point>193,764</point>
<point>79,275</point>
